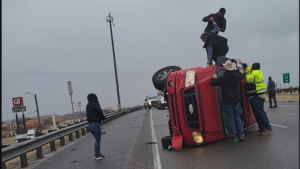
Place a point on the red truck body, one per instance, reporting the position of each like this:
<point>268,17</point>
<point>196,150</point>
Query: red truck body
<point>196,110</point>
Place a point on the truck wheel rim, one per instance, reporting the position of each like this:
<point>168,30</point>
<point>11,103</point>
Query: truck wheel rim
<point>164,74</point>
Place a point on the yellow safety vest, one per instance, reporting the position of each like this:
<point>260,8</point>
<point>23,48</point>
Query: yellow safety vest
<point>256,77</point>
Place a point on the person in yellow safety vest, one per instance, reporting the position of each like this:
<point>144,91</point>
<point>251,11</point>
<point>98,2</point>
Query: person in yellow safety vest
<point>255,89</point>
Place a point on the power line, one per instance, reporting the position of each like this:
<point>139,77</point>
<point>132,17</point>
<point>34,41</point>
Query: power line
<point>133,72</point>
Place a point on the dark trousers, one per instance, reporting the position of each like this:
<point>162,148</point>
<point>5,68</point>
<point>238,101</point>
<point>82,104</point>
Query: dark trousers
<point>257,105</point>
<point>272,95</point>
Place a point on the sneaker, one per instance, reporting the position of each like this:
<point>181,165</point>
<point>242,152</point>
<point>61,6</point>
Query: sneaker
<point>259,131</point>
<point>210,65</point>
<point>267,132</point>
<point>241,139</point>
<point>270,106</point>
<point>234,140</point>
<point>275,106</point>
<point>99,157</point>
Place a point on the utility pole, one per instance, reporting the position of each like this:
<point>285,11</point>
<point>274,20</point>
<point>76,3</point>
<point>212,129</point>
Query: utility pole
<point>110,19</point>
<point>38,112</point>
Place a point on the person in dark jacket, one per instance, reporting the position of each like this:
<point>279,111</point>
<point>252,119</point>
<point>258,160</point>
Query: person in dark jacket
<point>218,18</point>
<point>215,46</point>
<point>229,84</point>
<point>95,116</point>
<point>272,92</point>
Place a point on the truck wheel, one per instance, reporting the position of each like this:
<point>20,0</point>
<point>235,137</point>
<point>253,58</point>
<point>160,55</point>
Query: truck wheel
<point>166,141</point>
<point>161,75</point>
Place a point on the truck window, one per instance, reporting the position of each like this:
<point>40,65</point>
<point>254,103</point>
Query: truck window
<point>152,98</point>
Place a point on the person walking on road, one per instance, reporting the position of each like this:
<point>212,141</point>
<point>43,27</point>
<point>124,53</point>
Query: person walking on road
<point>95,116</point>
<point>255,89</point>
<point>218,18</point>
<point>229,83</point>
<point>272,92</point>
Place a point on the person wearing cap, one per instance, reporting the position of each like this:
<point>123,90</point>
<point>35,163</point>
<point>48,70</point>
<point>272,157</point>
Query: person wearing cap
<point>218,18</point>
<point>229,84</point>
<point>255,89</point>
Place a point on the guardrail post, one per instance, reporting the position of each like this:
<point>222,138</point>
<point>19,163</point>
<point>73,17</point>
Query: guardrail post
<point>62,141</point>
<point>3,165</point>
<point>83,131</point>
<point>39,152</point>
<point>87,130</point>
<point>71,137</point>
<point>52,146</point>
<point>77,134</point>
<point>24,162</point>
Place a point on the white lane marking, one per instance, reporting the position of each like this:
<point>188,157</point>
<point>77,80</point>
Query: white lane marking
<point>279,126</point>
<point>291,114</point>
<point>284,105</point>
<point>156,158</point>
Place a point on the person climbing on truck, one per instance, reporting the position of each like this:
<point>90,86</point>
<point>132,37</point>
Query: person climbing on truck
<point>229,83</point>
<point>215,46</point>
<point>219,18</point>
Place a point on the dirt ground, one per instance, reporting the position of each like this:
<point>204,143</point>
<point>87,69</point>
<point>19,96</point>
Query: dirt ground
<point>285,97</point>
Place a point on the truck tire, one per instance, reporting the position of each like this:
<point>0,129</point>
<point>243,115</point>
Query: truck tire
<point>166,141</point>
<point>159,77</point>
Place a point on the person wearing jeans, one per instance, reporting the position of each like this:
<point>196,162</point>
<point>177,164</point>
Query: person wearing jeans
<point>234,121</point>
<point>95,129</point>
<point>95,116</point>
<point>229,84</point>
<point>255,89</point>
<point>257,104</point>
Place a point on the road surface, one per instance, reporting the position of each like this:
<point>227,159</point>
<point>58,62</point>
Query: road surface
<point>130,143</point>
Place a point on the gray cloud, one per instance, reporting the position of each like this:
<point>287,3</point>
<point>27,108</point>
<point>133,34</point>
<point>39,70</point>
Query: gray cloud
<point>45,44</point>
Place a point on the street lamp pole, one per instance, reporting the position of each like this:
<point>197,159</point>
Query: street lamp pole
<point>37,109</point>
<point>110,19</point>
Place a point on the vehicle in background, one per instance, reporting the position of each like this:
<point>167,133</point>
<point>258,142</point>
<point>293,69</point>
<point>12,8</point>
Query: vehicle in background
<point>161,103</point>
<point>150,101</point>
<point>197,116</point>
<point>30,135</point>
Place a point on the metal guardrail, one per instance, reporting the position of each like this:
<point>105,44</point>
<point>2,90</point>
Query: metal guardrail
<point>20,149</point>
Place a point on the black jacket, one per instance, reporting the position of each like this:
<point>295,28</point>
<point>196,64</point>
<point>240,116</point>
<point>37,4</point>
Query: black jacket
<point>94,112</point>
<point>220,21</point>
<point>271,87</point>
<point>229,84</point>
<point>219,44</point>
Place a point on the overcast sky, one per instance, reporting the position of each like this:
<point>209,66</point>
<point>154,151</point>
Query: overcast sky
<point>47,43</point>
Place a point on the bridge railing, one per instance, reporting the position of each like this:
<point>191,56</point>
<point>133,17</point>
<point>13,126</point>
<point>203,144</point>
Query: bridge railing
<point>20,149</point>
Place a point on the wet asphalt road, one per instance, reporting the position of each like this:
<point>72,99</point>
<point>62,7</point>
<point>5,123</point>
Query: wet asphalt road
<point>126,138</point>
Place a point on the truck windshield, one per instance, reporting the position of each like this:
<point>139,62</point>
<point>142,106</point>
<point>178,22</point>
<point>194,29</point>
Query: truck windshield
<point>152,98</point>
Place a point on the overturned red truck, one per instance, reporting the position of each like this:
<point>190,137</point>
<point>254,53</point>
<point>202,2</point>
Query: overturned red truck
<point>196,113</point>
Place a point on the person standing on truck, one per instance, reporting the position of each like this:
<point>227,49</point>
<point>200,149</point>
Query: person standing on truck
<point>95,116</point>
<point>272,92</point>
<point>229,83</point>
<point>219,18</point>
<point>255,89</point>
